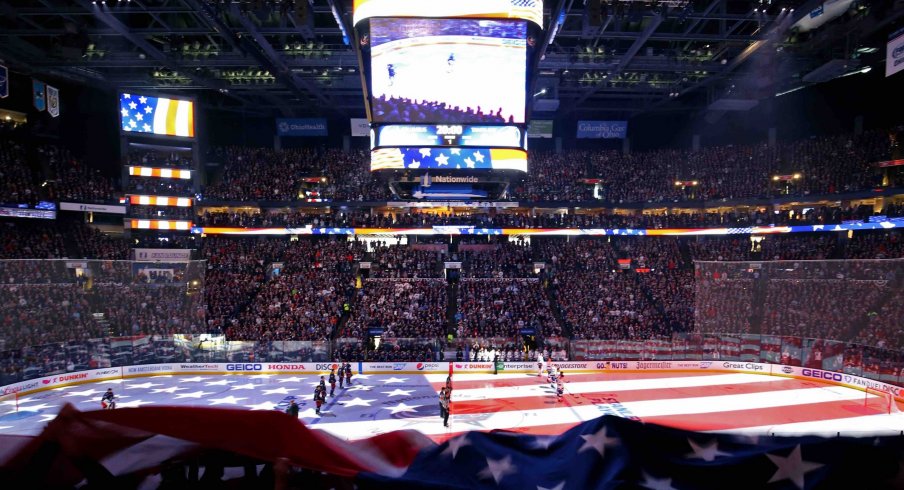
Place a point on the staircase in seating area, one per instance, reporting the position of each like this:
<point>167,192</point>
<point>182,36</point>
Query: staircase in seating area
<point>687,259</point>
<point>451,307</point>
<point>758,303</point>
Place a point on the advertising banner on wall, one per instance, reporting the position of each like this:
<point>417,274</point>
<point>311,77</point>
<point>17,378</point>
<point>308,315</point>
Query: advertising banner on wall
<point>894,55</point>
<point>602,129</point>
<point>301,127</point>
<point>162,254</point>
<point>94,208</point>
<point>540,128</point>
<point>360,127</point>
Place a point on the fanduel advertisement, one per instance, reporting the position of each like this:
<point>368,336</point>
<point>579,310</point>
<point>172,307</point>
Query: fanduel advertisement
<point>603,129</point>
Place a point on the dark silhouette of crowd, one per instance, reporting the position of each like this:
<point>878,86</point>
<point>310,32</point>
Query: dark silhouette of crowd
<point>34,171</point>
<point>299,174</point>
<point>400,109</point>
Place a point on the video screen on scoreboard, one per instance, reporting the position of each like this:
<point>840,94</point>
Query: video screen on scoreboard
<point>156,115</point>
<point>448,70</point>
<point>449,135</point>
<point>414,158</point>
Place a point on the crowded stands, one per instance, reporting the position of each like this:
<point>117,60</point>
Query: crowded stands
<point>314,289</point>
<point>402,109</point>
<point>399,308</point>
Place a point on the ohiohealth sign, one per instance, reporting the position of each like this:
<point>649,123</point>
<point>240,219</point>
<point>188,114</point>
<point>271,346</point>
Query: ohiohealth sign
<point>894,56</point>
<point>603,129</point>
<point>301,127</point>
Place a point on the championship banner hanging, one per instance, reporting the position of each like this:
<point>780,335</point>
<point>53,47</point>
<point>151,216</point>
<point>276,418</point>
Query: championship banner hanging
<point>4,82</point>
<point>37,91</point>
<point>53,101</point>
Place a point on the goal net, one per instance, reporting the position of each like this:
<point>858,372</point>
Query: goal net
<point>881,401</point>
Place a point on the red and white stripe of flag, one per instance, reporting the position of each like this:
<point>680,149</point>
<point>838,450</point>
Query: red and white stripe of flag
<point>158,224</point>
<point>182,202</point>
<point>163,173</point>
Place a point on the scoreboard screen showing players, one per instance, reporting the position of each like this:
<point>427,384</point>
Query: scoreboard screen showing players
<point>449,135</point>
<point>448,70</point>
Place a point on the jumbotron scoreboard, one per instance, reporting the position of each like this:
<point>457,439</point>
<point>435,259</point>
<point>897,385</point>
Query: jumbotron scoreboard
<point>446,90</point>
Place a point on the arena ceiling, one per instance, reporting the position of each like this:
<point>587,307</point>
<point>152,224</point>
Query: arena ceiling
<point>607,58</point>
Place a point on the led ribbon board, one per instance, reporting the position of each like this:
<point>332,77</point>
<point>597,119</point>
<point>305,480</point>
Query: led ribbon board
<point>450,135</point>
<point>530,10</point>
<point>893,223</point>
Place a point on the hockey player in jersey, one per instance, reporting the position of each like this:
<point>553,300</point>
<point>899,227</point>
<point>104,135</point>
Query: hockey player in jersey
<point>348,374</point>
<point>445,400</point>
<point>553,378</point>
<point>319,397</point>
<point>541,364</point>
<point>292,409</point>
<point>341,374</point>
<point>108,401</point>
<point>332,383</point>
<point>560,390</point>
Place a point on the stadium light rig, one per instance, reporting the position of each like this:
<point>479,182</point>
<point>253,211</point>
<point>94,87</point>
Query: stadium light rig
<point>345,38</point>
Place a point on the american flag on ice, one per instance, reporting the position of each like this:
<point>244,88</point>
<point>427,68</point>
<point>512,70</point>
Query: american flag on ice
<point>607,452</point>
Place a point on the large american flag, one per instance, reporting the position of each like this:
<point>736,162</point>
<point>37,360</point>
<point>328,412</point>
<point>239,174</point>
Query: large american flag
<point>448,158</point>
<point>157,115</point>
<point>607,452</point>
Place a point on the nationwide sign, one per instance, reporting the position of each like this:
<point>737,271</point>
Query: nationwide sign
<point>92,208</point>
